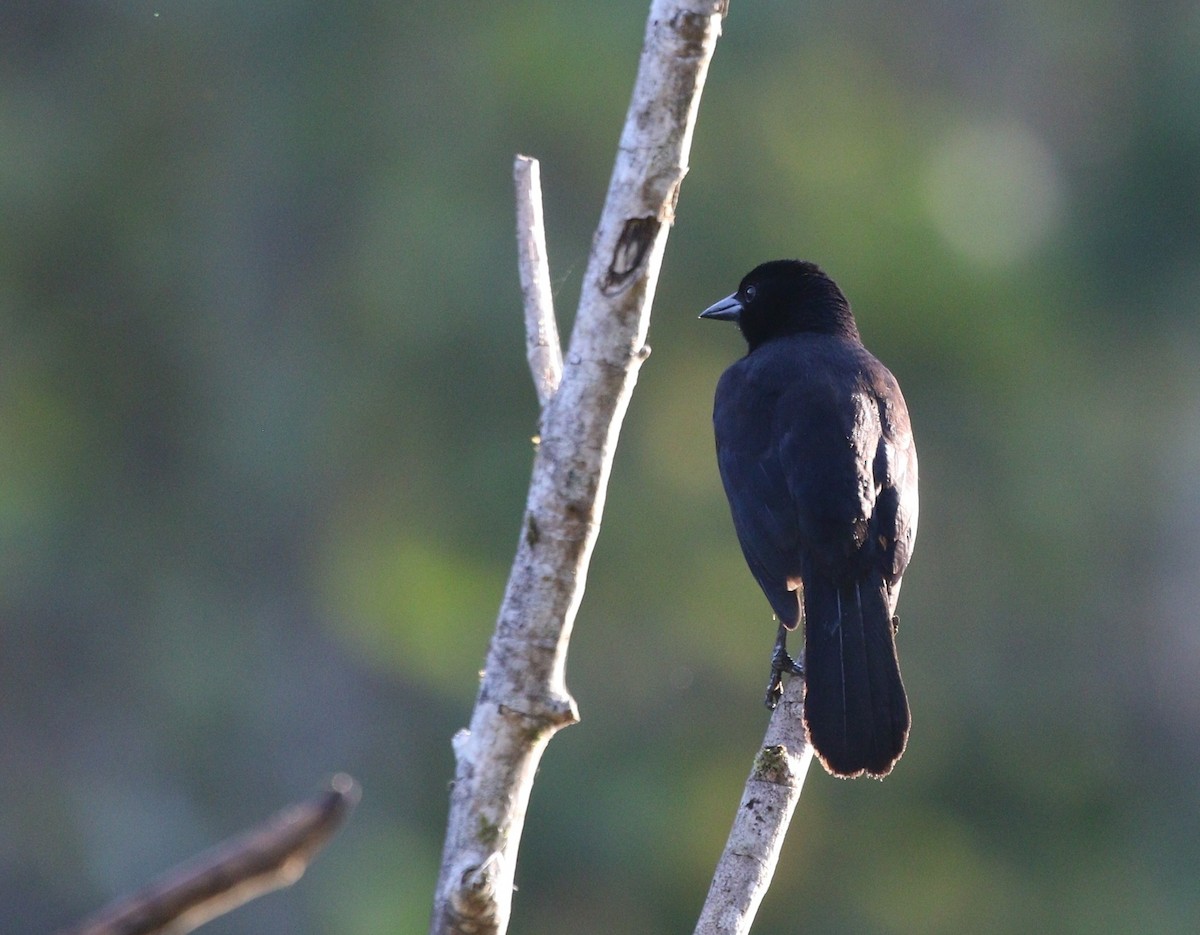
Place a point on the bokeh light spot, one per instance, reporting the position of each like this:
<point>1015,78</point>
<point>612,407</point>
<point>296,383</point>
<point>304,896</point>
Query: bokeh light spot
<point>993,192</point>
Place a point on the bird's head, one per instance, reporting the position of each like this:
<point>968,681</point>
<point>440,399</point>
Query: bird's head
<point>785,297</point>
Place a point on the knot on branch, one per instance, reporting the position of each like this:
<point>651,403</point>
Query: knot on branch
<point>693,27</point>
<point>472,904</point>
<point>545,713</point>
<point>632,246</point>
<point>773,765</point>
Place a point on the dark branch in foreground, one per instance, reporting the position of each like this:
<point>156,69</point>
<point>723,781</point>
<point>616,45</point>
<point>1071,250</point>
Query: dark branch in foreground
<point>272,855</point>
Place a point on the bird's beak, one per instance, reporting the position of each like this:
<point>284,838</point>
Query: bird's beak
<point>728,309</point>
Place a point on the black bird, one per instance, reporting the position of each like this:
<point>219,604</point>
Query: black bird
<point>818,462</point>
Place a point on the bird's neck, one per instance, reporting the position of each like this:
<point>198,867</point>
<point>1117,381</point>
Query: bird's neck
<point>831,318</point>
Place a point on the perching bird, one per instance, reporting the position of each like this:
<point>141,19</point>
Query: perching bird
<point>817,458</point>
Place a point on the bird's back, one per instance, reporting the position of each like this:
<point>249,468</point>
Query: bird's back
<point>813,439</point>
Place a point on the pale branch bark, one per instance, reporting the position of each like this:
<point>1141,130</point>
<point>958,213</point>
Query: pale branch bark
<point>772,790</point>
<point>272,855</point>
<point>523,698</point>
<point>542,345</point>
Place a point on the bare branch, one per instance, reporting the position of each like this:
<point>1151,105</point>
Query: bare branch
<point>523,699</point>
<point>542,345</point>
<point>274,854</point>
<point>747,865</point>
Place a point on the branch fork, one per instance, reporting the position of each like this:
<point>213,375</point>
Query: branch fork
<point>523,698</point>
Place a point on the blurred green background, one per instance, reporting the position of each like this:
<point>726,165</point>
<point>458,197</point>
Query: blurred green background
<point>265,429</point>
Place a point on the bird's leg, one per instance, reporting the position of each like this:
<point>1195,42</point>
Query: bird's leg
<point>780,662</point>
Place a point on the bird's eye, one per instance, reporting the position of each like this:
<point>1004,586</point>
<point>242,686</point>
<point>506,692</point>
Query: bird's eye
<point>750,292</point>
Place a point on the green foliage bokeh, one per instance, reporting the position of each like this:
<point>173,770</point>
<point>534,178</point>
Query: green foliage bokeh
<point>265,429</point>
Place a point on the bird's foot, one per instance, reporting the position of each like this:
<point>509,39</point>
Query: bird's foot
<point>780,662</point>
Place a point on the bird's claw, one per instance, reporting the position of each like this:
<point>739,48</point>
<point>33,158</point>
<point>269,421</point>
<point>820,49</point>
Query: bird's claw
<point>780,662</point>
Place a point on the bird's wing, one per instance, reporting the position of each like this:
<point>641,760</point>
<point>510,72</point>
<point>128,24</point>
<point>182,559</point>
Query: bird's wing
<point>756,486</point>
<point>894,469</point>
<point>845,439</point>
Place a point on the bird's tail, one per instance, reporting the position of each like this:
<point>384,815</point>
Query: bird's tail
<point>855,709</point>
